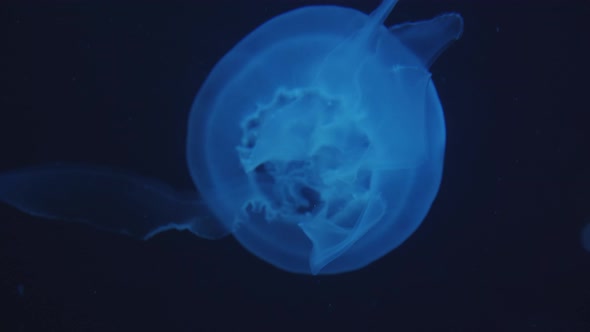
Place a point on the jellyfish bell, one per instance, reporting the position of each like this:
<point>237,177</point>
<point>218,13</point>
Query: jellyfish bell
<point>322,150</point>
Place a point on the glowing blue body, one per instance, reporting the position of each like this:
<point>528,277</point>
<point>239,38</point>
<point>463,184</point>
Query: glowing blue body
<point>317,142</point>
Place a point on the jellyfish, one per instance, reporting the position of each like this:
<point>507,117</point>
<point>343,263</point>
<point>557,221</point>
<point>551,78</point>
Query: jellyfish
<point>585,236</point>
<point>317,142</point>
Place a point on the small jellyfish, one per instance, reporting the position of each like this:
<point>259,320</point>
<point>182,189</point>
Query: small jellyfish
<point>585,236</point>
<point>20,289</point>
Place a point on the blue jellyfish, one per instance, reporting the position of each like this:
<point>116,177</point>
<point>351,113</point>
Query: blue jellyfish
<point>317,142</point>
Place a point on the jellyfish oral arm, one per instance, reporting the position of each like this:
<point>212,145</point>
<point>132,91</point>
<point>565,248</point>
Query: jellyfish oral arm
<point>106,199</point>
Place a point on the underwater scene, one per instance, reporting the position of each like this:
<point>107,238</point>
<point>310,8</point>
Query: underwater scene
<point>288,165</point>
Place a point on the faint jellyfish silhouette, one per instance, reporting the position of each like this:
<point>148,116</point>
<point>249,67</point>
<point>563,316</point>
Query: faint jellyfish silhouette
<point>585,235</point>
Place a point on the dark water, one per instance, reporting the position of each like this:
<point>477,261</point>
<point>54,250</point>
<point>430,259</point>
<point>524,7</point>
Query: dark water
<point>113,83</point>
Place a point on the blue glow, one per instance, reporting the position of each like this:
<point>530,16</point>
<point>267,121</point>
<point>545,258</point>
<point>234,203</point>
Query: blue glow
<point>317,142</point>
<point>585,237</point>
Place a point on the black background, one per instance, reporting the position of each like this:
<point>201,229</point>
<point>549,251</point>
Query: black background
<point>112,84</point>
